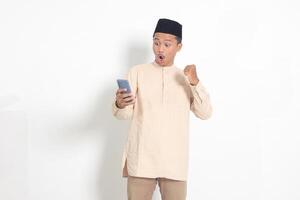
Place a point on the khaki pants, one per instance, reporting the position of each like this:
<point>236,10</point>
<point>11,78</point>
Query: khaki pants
<point>142,188</point>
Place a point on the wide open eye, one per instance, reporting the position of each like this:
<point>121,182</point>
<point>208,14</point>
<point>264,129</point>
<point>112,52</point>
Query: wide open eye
<point>167,44</point>
<point>156,43</point>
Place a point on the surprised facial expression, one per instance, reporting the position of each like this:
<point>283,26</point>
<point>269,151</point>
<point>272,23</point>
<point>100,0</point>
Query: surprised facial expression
<point>165,47</point>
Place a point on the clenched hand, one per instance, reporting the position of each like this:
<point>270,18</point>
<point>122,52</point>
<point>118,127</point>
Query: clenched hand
<point>191,73</point>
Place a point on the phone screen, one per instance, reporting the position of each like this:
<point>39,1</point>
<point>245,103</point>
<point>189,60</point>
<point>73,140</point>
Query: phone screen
<point>123,83</point>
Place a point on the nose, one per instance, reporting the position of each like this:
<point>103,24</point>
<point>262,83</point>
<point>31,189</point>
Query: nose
<point>161,49</point>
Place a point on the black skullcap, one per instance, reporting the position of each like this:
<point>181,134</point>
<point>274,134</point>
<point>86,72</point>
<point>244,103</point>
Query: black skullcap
<point>169,26</point>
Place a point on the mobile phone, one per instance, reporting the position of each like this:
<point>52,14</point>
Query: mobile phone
<point>123,83</point>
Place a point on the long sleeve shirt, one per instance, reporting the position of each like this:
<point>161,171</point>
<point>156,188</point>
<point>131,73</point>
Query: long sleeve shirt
<point>158,136</point>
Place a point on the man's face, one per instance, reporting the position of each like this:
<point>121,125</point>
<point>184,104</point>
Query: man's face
<point>165,47</point>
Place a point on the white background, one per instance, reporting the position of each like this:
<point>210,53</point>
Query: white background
<point>58,64</point>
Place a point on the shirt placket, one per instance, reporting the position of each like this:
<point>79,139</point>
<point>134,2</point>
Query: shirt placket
<point>163,85</point>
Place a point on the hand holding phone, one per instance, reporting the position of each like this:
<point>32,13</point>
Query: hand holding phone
<point>124,97</point>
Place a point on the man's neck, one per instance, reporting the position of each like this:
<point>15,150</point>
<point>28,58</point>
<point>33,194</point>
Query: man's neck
<point>166,65</point>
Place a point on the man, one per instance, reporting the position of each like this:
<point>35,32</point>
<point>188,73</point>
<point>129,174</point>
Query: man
<point>158,106</point>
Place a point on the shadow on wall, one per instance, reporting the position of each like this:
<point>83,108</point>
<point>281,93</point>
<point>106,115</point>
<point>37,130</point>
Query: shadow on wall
<point>111,184</point>
<point>138,53</point>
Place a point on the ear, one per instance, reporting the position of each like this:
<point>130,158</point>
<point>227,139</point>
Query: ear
<point>179,46</point>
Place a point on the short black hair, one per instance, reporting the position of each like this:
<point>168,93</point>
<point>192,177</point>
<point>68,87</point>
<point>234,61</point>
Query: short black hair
<point>179,39</point>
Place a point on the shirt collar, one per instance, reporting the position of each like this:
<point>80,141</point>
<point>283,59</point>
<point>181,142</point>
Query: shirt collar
<point>165,67</point>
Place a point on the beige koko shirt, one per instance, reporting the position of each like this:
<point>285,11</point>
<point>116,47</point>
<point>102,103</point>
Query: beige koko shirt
<point>157,142</point>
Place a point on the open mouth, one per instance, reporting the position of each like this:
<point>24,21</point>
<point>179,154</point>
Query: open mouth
<point>161,57</point>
